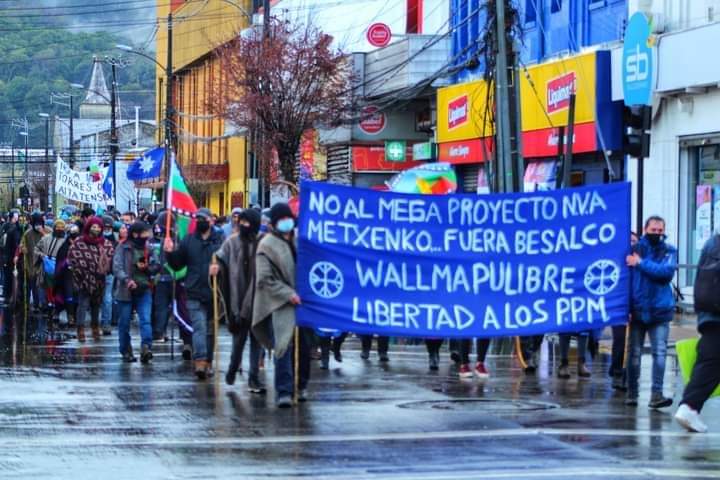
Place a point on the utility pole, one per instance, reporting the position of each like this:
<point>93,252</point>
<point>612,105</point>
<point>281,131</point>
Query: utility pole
<point>567,162</point>
<point>113,132</point>
<point>46,116</point>
<point>72,140</point>
<point>502,102</point>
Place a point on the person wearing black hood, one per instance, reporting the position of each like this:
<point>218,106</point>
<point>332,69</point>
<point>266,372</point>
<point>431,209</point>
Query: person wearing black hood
<point>134,268</point>
<point>196,252</point>
<point>31,268</point>
<point>11,235</point>
<point>237,258</point>
<point>106,312</point>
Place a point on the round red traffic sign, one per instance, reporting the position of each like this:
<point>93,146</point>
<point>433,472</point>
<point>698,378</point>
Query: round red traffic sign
<point>372,121</point>
<point>379,34</point>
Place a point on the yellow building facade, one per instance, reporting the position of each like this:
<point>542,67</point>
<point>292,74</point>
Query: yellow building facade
<point>211,153</point>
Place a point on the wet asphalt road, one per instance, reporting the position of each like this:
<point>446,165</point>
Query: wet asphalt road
<point>71,411</point>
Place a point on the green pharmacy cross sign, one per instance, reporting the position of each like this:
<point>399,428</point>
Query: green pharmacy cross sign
<point>395,150</point>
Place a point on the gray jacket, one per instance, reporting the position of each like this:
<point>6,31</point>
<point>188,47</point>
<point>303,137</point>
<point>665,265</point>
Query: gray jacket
<point>123,269</point>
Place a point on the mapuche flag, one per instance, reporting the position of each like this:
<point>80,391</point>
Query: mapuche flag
<point>179,200</point>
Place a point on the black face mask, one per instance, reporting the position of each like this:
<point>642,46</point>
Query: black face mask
<point>655,238</point>
<point>246,231</point>
<point>203,225</point>
<point>139,242</point>
<point>74,235</point>
<point>59,233</point>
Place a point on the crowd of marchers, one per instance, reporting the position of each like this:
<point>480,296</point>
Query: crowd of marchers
<point>113,268</point>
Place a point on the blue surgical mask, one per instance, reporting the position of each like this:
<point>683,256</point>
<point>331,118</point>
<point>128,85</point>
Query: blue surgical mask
<point>285,225</point>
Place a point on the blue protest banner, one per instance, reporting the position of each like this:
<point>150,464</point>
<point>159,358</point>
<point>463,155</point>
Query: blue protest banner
<point>463,265</point>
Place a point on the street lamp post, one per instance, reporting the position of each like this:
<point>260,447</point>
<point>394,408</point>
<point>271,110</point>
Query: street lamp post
<point>53,97</point>
<point>47,159</point>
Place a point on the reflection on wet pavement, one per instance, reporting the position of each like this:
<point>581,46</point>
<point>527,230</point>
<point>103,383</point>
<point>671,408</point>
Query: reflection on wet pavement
<point>75,411</point>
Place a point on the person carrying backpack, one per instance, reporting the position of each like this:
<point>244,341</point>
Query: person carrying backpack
<point>705,375</point>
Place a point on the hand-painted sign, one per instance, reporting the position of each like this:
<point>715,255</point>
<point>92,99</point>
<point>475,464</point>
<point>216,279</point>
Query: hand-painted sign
<point>463,265</point>
<point>79,186</point>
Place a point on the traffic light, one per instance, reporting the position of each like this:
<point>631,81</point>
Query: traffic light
<point>637,121</point>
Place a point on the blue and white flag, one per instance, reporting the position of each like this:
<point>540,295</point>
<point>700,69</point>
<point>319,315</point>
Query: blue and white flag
<point>439,266</point>
<point>147,166</point>
<point>109,183</point>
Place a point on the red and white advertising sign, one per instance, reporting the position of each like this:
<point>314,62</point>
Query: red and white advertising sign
<point>372,121</point>
<point>372,159</point>
<point>458,112</point>
<point>544,143</point>
<point>559,90</point>
<point>465,151</point>
<point>379,34</point>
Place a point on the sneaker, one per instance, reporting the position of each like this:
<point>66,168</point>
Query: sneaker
<point>146,355</point>
<point>128,357</point>
<point>657,400</point>
<point>284,402</point>
<point>631,401</point>
<point>583,371</point>
<point>690,419</point>
<point>563,372</point>
<point>384,357</point>
<point>302,396</point>
<point>365,354</point>
<point>187,352</point>
<point>201,369</point>
<point>464,371</point>
<point>256,387</point>
<point>481,371</point>
<point>230,377</point>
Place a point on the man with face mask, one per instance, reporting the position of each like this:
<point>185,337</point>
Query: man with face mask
<point>274,306</point>
<point>134,267</point>
<point>195,252</point>
<point>31,267</point>
<point>106,313</point>
<point>654,263</point>
<point>237,258</point>
<point>90,259</point>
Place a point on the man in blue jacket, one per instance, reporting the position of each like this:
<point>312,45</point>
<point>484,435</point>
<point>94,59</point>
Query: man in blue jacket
<point>654,263</point>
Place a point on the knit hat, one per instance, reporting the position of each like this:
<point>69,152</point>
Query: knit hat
<point>204,213</point>
<point>279,211</point>
<point>236,211</point>
<point>107,221</point>
<point>37,219</point>
<point>59,223</point>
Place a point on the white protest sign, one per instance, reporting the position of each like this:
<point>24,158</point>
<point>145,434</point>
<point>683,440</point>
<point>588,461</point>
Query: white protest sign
<point>78,186</point>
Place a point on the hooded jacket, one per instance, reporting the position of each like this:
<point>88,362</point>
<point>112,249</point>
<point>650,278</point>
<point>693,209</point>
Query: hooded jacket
<point>123,267</point>
<point>653,299</point>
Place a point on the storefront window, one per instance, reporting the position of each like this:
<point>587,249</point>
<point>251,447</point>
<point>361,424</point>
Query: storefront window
<point>703,213</point>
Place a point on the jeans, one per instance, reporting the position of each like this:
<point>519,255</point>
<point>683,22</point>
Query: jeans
<point>142,303</point>
<point>331,343</point>
<point>658,333</point>
<point>238,347</point>
<point>706,372</point>
<point>37,292</point>
<point>162,305</point>
<point>107,303</point>
<point>284,373</point>
<point>482,345</point>
<point>202,337</point>
<point>582,341</point>
<point>91,304</point>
